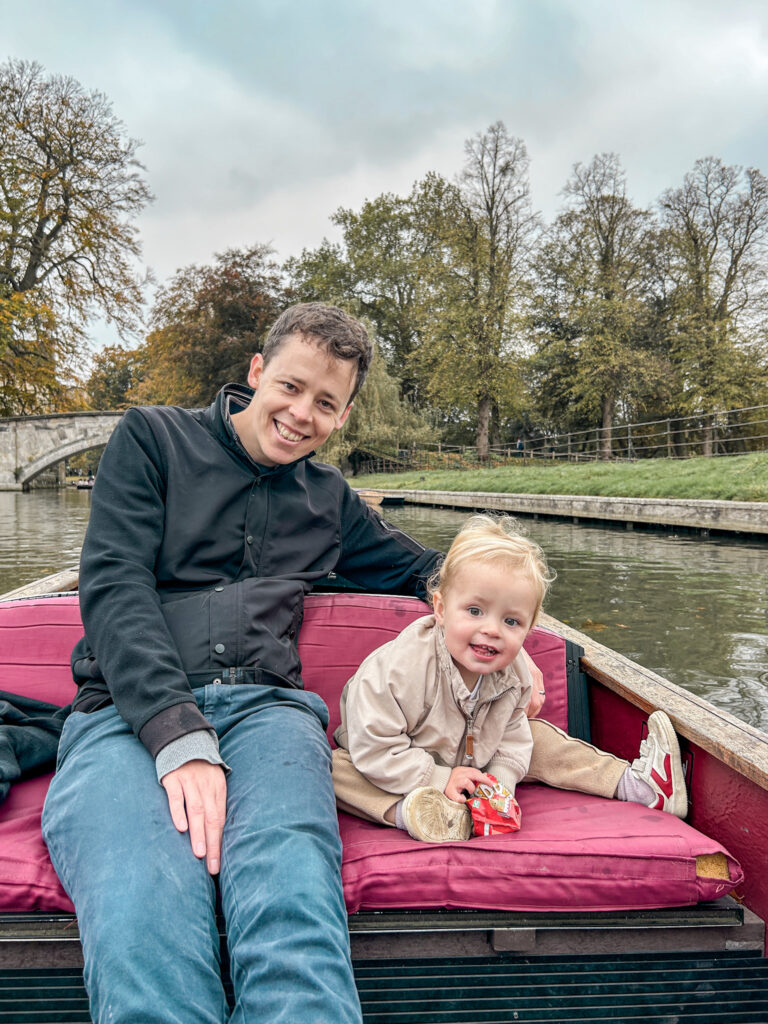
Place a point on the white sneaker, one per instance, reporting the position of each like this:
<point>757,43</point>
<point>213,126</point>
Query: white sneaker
<point>430,816</point>
<point>659,765</point>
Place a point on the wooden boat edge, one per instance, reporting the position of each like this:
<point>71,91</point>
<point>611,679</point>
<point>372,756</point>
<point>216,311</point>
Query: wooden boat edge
<point>732,741</point>
<point>62,582</point>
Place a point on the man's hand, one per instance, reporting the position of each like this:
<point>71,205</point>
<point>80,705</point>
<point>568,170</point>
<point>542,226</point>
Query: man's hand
<point>197,798</point>
<point>463,778</point>
<point>538,696</point>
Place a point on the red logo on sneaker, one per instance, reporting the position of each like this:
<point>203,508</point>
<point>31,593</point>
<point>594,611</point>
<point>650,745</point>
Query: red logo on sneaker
<point>665,785</point>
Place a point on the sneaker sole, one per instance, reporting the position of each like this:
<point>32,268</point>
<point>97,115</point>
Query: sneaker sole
<point>431,817</point>
<point>677,804</point>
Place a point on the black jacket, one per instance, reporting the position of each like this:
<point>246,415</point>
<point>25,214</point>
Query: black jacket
<point>196,562</point>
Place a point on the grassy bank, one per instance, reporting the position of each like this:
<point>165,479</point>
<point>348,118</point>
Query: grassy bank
<point>731,478</point>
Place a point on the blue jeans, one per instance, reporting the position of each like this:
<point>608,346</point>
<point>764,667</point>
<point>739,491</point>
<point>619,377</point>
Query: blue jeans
<point>145,904</point>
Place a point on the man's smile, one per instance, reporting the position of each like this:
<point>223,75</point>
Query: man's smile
<point>288,435</point>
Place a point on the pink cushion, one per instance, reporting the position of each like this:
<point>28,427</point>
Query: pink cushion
<point>27,878</point>
<point>339,630</point>
<point>36,640</point>
<point>572,851</point>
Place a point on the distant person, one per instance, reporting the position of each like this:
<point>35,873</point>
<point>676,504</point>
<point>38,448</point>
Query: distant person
<point>519,446</point>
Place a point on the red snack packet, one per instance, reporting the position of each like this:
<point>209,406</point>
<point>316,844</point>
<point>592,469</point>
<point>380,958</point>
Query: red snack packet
<point>494,810</point>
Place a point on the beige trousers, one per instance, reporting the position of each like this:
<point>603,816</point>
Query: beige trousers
<point>558,760</point>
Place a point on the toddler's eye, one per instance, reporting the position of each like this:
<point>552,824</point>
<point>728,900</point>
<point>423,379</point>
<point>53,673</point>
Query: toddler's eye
<point>511,622</point>
<point>474,610</point>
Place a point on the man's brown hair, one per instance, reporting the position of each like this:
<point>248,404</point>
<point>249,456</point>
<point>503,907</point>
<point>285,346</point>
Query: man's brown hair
<point>335,331</point>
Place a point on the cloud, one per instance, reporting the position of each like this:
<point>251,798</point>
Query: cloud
<point>257,125</point>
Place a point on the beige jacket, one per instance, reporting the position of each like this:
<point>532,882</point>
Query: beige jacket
<point>405,716</point>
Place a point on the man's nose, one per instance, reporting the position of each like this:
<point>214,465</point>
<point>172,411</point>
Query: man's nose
<point>301,408</point>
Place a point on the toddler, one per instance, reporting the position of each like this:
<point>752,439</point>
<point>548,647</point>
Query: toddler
<point>430,714</point>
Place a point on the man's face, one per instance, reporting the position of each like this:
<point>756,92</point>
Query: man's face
<point>301,396</point>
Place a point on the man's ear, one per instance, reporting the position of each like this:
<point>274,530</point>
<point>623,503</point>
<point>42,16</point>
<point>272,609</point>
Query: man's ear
<point>343,418</point>
<point>438,607</point>
<point>255,370</point>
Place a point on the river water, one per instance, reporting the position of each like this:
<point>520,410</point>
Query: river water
<point>694,610</point>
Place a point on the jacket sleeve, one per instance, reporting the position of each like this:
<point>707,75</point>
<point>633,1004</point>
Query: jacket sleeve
<point>120,605</point>
<point>378,556</point>
<point>510,762</point>
<point>380,705</point>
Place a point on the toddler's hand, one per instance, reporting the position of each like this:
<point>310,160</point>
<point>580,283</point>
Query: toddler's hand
<point>463,778</point>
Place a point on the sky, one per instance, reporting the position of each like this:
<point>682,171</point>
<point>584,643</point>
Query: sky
<point>260,118</point>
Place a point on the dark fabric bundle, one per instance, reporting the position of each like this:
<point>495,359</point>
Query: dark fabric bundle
<point>29,737</point>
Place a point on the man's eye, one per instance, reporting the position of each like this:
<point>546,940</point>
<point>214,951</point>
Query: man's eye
<point>288,386</point>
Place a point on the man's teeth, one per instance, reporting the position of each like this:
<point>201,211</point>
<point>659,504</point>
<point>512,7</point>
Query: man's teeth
<point>286,433</point>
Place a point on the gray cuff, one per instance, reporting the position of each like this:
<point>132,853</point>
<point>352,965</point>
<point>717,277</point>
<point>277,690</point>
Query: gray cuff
<point>200,745</point>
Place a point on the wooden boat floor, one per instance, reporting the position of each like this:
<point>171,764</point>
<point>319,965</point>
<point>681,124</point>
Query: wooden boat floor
<point>41,940</point>
<point>727,988</point>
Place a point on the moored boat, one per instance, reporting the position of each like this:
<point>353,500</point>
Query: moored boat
<point>372,498</point>
<point>377,498</point>
<point>492,929</point>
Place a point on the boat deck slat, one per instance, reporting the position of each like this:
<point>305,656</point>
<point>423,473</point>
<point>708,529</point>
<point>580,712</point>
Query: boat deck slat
<point>729,987</point>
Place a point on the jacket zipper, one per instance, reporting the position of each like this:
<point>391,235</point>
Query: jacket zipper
<point>469,739</point>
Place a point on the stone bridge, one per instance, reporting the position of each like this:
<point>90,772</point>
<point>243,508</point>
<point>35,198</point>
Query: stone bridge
<point>30,445</point>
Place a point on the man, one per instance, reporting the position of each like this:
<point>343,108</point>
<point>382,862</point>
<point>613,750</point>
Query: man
<point>207,529</point>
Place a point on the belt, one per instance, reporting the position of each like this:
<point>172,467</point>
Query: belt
<point>241,674</point>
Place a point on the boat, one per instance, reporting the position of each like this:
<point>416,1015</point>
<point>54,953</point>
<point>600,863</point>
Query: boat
<point>378,498</point>
<point>372,498</point>
<point>594,910</point>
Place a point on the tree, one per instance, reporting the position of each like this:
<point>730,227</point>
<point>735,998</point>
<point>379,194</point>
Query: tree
<point>115,377</point>
<point>714,236</point>
<point>70,187</point>
<point>28,354</point>
<point>375,274</point>
<point>381,422</point>
<point>474,279</point>
<point>208,322</point>
<point>590,313</point>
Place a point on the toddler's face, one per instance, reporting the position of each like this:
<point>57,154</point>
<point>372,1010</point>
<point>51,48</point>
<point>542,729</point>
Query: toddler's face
<point>486,614</point>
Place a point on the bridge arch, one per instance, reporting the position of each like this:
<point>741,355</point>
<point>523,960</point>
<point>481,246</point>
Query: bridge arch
<point>66,451</point>
<point>31,444</point>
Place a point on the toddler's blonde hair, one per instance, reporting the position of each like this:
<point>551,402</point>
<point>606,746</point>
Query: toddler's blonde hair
<point>494,540</point>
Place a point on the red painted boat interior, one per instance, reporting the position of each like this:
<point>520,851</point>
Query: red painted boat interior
<point>722,803</point>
